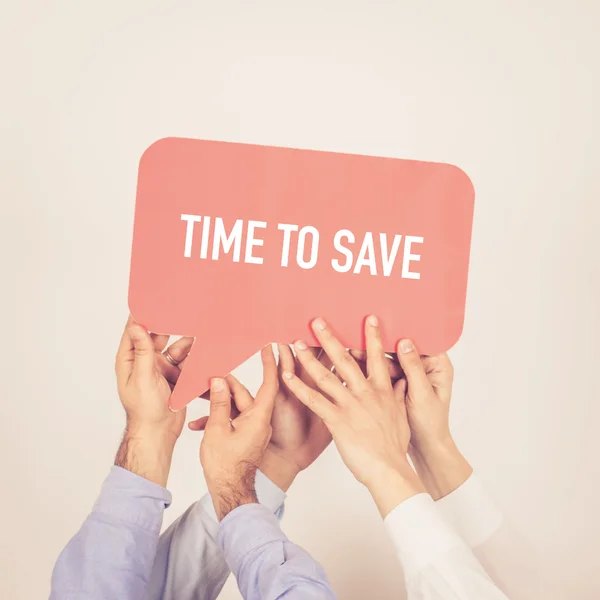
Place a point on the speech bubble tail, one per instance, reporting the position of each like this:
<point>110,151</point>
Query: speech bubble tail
<point>201,365</point>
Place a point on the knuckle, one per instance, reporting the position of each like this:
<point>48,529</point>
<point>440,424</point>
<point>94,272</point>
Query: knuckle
<point>311,398</point>
<point>326,378</point>
<point>218,402</point>
<point>346,358</point>
<point>412,360</point>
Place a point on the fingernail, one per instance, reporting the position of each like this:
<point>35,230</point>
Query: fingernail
<point>287,375</point>
<point>217,384</point>
<point>406,346</point>
<point>319,324</point>
<point>372,321</point>
<point>300,345</point>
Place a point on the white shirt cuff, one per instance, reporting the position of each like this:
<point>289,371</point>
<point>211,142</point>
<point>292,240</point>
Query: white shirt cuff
<point>419,533</point>
<point>268,494</point>
<point>471,512</point>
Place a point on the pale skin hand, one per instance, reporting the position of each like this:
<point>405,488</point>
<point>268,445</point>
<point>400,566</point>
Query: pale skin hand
<point>298,437</point>
<point>145,379</point>
<point>232,449</point>
<point>367,417</point>
<point>439,463</point>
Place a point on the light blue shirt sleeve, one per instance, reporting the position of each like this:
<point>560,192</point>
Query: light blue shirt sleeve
<point>265,563</point>
<point>112,554</point>
<point>189,564</point>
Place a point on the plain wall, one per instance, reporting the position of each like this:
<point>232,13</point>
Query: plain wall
<point>506,90</point>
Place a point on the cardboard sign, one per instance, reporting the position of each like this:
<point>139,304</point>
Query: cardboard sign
<point>242,245</point>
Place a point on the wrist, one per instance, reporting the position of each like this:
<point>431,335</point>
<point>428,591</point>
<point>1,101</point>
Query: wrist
<point>390,488</point>
<point>147,452</point>
<point>279,470</point>
<point>229,492</point>
<point>441,467</point>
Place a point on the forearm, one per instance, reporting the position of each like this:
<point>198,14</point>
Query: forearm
<point>390,488</point>
<point>147,452</point>
<point>507,557</point>
<point>189,563</point>
<point>437,563</point>
<point>265,563</point>
<point>112,554</point>
<point>229,492</point>
<point>279,470</point>
<point>441,467</point>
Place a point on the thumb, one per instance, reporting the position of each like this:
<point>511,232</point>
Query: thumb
<point>220,403</point>
<point>143,350</point>
<point>413,368</point>
<point>265,397</point>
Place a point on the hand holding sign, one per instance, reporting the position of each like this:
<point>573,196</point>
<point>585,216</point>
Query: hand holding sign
<point>252,242</point>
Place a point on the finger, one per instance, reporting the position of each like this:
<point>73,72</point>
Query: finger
<point>198,424</point>
<point>321,356</point>
<point>143,350</point>
<point>265,397</point>
<point>440,373</point>
<point>220,403</point>
<point>400,392</point>
<point>286,359</point>
<point>124,358</point>
<point>325,380</point>
<point>311,398</point>
<point>179,352</point>
<point>396,372</point>
<point>400,389</point>
<point>241,396</point>
<point>180,349</point>
<point>160,341</point>
<point>167,370</point>
<point>359,355</point>
<point>411,364</point>
<point>344,364</point>
<point>377,364</point>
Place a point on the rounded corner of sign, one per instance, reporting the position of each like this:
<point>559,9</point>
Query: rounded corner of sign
<point>155,146</point>
<point>456,335</point>
<point>133,306</point>
<point>463,176</point>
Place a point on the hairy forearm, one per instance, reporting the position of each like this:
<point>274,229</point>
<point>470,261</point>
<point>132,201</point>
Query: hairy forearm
<point>146,452</point>
<point>229,491</point>
<point>441,468</point>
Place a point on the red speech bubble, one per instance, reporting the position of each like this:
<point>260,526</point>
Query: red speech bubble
<point>241,245</point>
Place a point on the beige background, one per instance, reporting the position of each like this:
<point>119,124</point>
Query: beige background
<point>507,90</point>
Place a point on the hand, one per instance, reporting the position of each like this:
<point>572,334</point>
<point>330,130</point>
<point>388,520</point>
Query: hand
<point>299,436</point>
<point>367,417</point>
<point>232,449</point>
<point>145,379</point>
<point>440,465</point>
